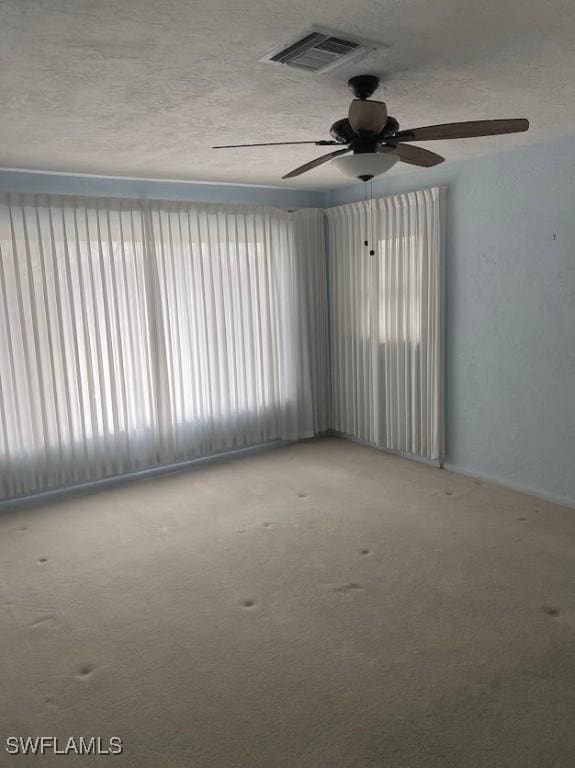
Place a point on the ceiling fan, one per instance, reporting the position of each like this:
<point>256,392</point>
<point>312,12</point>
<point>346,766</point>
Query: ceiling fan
<point>372,142</point>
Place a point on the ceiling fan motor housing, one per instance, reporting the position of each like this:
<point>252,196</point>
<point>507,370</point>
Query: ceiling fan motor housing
<point>343,133</point>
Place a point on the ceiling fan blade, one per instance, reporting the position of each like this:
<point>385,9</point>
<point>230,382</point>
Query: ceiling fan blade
<point>417,156</point>
<point>367,116</point>
<point>466,130</point>
<point>321,143</point>
<point>314,163</point>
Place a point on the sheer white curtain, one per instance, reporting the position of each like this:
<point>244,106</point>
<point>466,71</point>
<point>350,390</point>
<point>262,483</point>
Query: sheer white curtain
<point>135,334</point>
<point>386,322</point>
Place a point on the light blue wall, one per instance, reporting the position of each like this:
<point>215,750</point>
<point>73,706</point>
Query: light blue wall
<point>510,312</point>
<point>106,186</point>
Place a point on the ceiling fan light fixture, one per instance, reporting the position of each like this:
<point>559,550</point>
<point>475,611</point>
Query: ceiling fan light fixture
<point>366,165</point>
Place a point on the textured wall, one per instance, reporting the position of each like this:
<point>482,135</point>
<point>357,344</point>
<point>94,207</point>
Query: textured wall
<point>510,316</point>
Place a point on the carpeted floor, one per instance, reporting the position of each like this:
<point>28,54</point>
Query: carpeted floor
<point>317,605</point>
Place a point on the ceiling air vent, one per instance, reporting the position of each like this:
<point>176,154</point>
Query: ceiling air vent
<point>320,50</point>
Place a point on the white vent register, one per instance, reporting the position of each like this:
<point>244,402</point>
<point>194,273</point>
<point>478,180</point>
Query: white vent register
<point>320,50</point>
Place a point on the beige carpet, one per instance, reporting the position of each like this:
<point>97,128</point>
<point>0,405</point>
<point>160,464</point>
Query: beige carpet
<point>318,605</point>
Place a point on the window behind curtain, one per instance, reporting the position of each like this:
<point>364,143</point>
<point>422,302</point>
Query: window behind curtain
<point>135,334</point>
<point>220,278</point>
<point>392,314</point>
<point>386,322</point>
<point>77,392</point>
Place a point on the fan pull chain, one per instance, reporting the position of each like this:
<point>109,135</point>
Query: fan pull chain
<point>372,251</point>
<point>370,218</point>
<point>366,242</point>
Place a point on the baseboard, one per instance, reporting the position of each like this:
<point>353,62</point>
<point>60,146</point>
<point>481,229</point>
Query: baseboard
<point>117,480</point>
<point>502,482</point>
<point>57,494</point>
<point>511,485</point>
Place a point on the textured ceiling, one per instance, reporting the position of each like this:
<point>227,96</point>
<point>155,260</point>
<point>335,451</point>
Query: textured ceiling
<point>144,87</point>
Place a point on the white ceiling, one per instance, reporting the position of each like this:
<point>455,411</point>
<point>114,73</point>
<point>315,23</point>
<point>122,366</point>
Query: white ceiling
<point>145,87</point>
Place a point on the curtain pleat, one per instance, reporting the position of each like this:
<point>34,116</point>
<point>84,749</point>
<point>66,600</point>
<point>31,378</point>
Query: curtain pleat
<point>386,322</point>
<point>137,334</point>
